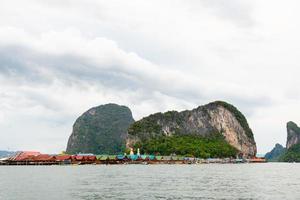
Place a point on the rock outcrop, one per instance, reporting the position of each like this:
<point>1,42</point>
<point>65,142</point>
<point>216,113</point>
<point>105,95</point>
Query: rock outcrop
<point>216,117</point>
<point>292,154</point>
<point>275,153</point>
<point>101,130</point>
<point>293,134</point>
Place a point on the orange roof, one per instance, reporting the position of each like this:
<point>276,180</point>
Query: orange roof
<point>78,157</point>
<point>62,157</point>
<point>91,158</point>
<point>85,158</point>
<point>257,160</point>
<point>24,155</point>
<point>43,157</point>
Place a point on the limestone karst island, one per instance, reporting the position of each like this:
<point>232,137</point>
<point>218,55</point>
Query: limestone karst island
<point>214,133</point>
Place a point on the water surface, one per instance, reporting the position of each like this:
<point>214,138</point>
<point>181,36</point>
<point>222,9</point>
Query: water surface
<point>213,181</point>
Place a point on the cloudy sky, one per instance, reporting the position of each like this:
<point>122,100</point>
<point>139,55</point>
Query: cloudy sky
<point>59,58</point>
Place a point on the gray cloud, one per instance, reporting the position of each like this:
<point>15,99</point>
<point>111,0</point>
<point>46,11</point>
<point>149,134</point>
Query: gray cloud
<point>37,67</point>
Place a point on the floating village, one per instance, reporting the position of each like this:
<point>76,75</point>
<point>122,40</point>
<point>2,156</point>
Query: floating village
<point>36,158</point>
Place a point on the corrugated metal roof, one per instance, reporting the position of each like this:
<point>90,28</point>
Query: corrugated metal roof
<point>151,157</point>
<point>85,158</point>
<point>102,157</point>
<point>166,158</point>
<point>112,157</point>
<point>133,157</point>
<point>90,158</point>
<point>79,158</point>
<point>62,157</point>
<point>24,155</point>
<point>158,157</point>
<point>43,157</point>
<point>120,157</point>
<point>180,158</point>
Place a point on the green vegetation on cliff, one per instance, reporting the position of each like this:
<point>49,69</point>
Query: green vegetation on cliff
<point>101,130</point>
<point>189,145</point>
<point>149,124</point>
<point>204,121</point>
<point>292,151</point>
<point>275,154</point>
<point>292,154</point>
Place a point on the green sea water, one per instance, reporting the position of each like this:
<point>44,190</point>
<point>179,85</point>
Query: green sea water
<point>211,181</point>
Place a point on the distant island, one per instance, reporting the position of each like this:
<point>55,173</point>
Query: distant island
<point>292,151</point>
<point>215,130</point>
<point>107,134</point>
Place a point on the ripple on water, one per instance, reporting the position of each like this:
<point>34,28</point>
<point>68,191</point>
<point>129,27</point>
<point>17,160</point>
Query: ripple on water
<point>214,181</point>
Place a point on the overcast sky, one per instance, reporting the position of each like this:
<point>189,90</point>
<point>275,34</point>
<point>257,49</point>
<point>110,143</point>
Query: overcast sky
<point>60,58</point>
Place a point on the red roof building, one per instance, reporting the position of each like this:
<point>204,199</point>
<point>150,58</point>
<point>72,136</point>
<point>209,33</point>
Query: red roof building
<point>43,158</point>
<point>62,157</point>
<point>24,155</point>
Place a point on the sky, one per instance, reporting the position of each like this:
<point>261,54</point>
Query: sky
<point>60,58</point>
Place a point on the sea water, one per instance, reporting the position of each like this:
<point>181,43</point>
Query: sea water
<point>205,181</point>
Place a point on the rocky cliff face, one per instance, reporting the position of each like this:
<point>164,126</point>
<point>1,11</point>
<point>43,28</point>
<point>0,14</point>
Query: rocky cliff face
<point>291,155</point>
<point>216,117</point>
<point>293,134</point>
<point>275,153</point>
<point>100,130</point>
